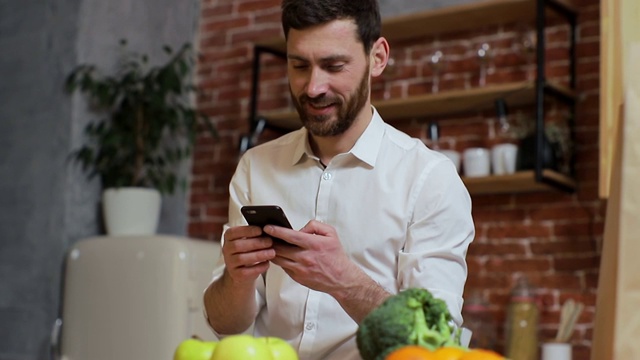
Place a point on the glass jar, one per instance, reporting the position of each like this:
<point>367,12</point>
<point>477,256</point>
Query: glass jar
<point>479,319</point>
<point>522,323</point>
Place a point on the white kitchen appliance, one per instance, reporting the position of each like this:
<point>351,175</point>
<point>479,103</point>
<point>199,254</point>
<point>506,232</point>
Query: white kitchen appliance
<point>133,297</point>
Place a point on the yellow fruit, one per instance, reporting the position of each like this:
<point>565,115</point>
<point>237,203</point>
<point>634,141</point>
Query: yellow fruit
<point>481,354</point>
<point>280,349</point>
<point>194,349</point>
<point>241,347</point>
<point>449,353</point>
<point>411,352</point>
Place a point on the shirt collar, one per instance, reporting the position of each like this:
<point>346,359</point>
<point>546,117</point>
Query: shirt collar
<point>302,147</point>
<point>366,147</point>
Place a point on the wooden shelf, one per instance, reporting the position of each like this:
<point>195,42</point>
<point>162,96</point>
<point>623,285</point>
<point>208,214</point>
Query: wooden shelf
<point>459,18</point>
<point>448,19</point>
<point>449,102</point>
<point>522,181</point>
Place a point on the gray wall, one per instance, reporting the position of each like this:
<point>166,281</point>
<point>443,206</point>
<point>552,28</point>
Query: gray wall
<point>46,204</point>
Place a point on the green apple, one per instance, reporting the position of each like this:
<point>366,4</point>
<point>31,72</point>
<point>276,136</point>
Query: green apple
<point>280,349</point>
<point>194,349</point>
<point>241,347</point>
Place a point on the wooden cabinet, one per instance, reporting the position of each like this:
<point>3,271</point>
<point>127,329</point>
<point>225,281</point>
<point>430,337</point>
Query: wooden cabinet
<point>458,18</point>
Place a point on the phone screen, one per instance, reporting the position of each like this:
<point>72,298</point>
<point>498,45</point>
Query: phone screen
<point>261,215</point>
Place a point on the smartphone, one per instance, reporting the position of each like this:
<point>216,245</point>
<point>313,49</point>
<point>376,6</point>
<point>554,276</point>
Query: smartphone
<point>261,215</point>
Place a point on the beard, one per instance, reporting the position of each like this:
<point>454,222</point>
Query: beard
<point>327,125</point>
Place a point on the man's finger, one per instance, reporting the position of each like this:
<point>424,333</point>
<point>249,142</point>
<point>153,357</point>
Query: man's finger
<point>286,234</point>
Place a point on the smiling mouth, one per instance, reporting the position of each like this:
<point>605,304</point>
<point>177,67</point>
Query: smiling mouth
<point>321,105</point>
<point>320,108</point>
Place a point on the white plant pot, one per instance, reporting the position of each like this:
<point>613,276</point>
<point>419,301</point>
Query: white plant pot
<point>131,211</point>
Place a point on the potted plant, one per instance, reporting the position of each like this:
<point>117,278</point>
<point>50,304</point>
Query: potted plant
<point>557,144</point>
<point>148,126</point>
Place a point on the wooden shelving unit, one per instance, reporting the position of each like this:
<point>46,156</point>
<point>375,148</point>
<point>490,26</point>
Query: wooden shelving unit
<point>520,182</point>
<point>456,19</point>
<point>449,102</point>
<point>449,19</point>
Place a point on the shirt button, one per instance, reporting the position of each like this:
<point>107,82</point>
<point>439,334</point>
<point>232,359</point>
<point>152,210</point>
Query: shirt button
<point>326,176</point>
<point>310,326</point>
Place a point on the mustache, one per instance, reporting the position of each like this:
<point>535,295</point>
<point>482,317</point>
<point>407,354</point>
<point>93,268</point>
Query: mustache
<point>319,101</point>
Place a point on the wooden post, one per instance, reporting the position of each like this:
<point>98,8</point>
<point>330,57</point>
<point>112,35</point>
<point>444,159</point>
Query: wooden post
<point>617,323</point>
<point>619,27</point>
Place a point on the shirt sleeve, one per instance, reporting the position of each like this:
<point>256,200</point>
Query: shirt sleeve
<point>438,238</point>
<point>239,196</point>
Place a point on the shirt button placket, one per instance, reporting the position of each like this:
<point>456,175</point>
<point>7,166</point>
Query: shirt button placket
<point>309,332</point>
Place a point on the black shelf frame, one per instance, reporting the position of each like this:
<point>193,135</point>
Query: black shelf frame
<point>258,123</point>
<point>543,89</point>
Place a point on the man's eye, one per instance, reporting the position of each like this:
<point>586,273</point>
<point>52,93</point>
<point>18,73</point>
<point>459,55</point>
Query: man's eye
<point>335,68</point>
<point>299,66</point>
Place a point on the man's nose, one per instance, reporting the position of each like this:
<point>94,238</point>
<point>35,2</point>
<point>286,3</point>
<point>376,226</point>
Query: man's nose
<point>318,83</point>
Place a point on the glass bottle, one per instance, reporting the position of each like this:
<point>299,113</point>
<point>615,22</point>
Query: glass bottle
<point>479,319</point>
<point>504,132</point>
<point>434,135</point>
<point>522,323</point>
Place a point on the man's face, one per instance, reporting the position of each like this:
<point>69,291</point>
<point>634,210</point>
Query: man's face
<point>328,76</point>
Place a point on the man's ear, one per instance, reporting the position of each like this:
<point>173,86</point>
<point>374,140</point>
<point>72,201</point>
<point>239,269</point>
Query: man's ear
<point>379,56</point>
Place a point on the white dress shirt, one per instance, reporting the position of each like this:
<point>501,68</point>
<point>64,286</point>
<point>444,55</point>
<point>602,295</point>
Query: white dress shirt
<point>400,210</point>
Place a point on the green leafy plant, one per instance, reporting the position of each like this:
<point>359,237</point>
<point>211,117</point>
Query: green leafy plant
<point>148,125</point>
<point>557,132</point>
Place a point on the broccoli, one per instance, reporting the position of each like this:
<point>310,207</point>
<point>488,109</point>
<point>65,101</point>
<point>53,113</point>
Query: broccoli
<point>412,317</point>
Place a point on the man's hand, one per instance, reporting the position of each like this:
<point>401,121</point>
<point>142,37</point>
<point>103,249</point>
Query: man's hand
<point>319,262</point>
<point>246,253</point>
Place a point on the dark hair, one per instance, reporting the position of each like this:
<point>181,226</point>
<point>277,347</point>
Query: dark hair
<point>302,14</point>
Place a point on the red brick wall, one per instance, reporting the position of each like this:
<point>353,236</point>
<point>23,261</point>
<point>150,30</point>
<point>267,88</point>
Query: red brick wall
<point>554,238</point>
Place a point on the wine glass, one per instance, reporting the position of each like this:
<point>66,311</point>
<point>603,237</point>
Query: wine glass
<point>436,62</point>
<point>484,55</point>
<point>525,44</point>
